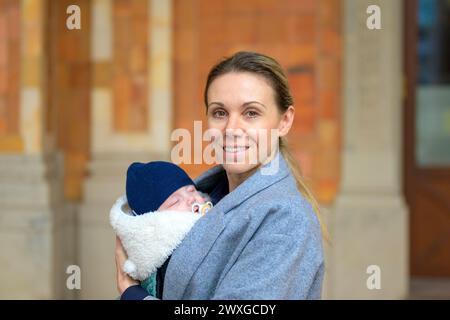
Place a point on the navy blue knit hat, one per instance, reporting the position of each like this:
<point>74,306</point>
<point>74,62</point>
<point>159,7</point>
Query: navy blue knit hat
<point>150,184</point>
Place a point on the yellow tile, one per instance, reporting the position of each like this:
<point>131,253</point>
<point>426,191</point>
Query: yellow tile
<point>11,143</point>
<point>31,71</point>
<point>102,74</point>
<point>30,10</point>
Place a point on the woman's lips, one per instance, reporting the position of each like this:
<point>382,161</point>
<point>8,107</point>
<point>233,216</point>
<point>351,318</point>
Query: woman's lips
<point>235,149</point>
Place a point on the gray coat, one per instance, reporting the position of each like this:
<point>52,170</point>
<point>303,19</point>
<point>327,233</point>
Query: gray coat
<point>261,241</point>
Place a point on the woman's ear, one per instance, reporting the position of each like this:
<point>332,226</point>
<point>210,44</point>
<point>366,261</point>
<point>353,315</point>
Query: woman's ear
<point>287,119</point>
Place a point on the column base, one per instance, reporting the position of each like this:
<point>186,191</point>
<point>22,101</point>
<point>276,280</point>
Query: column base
<point>96,239</point>
<point>367,230</point>
<point>34,229</point>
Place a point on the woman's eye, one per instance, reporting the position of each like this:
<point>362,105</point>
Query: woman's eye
<point>219,114</point>
<point>251,114</point>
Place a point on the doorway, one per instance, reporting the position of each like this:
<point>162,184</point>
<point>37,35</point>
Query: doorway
<point>427,135</point>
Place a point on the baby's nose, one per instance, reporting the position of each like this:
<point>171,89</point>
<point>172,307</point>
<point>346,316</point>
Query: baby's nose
<point>200,199</point>
<point>191,200</point>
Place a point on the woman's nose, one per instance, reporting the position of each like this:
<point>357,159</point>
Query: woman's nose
<point>233,130</point>
<point>233,123</point>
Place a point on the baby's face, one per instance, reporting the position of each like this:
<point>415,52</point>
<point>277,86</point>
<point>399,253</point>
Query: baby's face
<point>182,199</point>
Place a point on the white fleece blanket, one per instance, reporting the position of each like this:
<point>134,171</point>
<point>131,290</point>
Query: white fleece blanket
<point>149,239</point>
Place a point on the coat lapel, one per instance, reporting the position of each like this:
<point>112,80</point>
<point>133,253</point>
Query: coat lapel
<point>187,257</point>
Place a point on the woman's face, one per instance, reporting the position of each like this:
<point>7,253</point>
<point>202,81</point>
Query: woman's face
<point>243,111</point>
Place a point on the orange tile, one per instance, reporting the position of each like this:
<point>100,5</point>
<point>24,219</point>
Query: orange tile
<point>3,27</point>
<point>3,81</point>
<point>211,8</point>
<point>121,8</point>
<point>14,22</point>
<point>10,143</point>
<point>239,28</point>
<point>328,76</point>
<point>139,8</point>
<point>329,101</point>
<point>138,59</point>
<point>326,190</point>
<point>300,29</point>
<point>121,92</point>
<point>301,35</point>
<point>330,43</point>
<point>102,72</point>
<point>305,7</point>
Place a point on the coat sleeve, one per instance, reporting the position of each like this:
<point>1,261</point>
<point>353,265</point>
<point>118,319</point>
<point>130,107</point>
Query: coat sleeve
<point>276,266</point>
<point>136,292</point>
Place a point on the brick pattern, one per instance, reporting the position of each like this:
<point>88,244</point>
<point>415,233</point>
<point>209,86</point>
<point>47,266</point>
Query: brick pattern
<point>303,35</point>
<point>130,65</point>
<point>69,83</point>
<point>9,73</point>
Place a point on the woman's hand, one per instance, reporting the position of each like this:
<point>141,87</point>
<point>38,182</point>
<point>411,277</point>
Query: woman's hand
<point>123,280</point>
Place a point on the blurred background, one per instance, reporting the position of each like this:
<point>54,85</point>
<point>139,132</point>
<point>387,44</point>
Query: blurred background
<point>371,132</point>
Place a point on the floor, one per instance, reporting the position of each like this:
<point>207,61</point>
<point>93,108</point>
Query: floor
<point>430,288</point>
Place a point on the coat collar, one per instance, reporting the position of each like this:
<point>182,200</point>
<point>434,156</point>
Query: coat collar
<point>264,177</point>
<point>200,239</point>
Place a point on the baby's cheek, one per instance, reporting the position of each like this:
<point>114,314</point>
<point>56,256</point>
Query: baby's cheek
<point>184,206</point>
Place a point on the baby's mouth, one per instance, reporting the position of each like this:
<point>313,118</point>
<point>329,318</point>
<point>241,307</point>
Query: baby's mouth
<point>195,207</point>
<point>201,208</point>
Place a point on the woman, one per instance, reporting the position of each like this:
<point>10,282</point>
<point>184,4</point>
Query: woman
<point>262,239</point>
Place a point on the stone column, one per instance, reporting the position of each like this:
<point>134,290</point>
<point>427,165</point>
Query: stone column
<point>113,150</point>
<point>369,219</point>
<point>34,230</point>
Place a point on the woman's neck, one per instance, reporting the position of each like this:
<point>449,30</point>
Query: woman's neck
<point>235,179</point>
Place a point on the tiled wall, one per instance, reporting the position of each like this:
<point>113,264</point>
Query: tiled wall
<point>304,36</point>
<point>9,75</point>
<point>130,72</point>
<point>73,72</point>
<point>69,82</point>
<point>131,92</point>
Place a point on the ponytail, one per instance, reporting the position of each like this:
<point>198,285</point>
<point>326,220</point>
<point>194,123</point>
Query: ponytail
<point>301,185</point>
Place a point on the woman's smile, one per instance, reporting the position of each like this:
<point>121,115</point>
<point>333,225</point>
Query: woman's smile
<point>235,149</point>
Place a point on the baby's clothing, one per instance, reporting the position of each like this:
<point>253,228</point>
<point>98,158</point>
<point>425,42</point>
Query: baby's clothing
<point>149,236</point>
<point>149,239</point>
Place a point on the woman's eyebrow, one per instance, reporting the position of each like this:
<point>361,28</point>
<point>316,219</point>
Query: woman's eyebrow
<point>252,102</point>
<point>243,105</point>
<point>218,103</point>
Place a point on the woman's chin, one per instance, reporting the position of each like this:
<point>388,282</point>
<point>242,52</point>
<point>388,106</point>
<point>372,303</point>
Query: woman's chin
<point>239,168</point>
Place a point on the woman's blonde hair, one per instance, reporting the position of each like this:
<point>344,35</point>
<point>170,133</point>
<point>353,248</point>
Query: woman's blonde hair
<point>271,70</point>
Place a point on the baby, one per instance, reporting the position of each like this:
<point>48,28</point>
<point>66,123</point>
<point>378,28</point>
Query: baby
<point>160,207</point>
